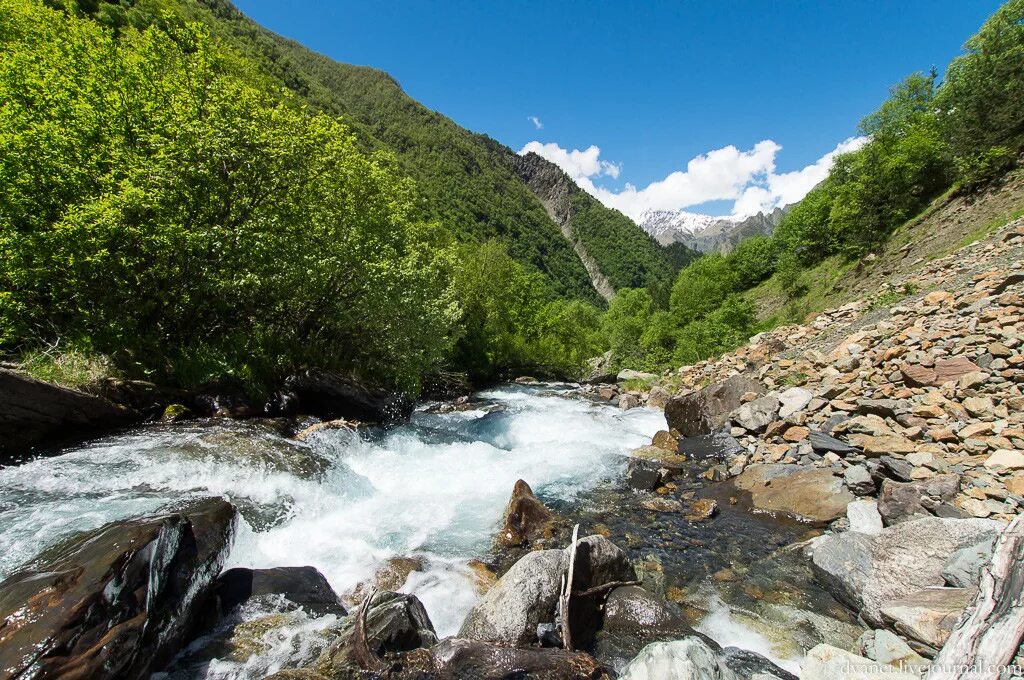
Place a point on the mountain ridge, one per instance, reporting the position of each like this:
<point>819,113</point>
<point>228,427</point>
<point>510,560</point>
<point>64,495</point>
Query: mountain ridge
<point>708,233</point>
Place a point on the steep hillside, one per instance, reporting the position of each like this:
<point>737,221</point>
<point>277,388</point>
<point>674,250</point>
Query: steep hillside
<point>465,180</point>
<point>616,253</point>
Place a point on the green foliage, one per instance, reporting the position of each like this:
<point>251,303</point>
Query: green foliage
<point>702,287</point>
<point>624,323</point>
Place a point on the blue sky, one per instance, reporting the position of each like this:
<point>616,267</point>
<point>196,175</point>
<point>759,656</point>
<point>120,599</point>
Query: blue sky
<point>652,85</point>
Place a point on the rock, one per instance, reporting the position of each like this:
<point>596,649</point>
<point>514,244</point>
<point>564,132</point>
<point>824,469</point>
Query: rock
<point>707,410</point>
<point>897,468</point>
<point>947,370</point>
<point>755,415</point>
<point>628,401</point>
<point>697,658</point>
<point>916,375</point>
<point>827,662</point>
<point>521,599</point>
<point>863,516</point>
<point>867,572</point>
<point>633,618</point>
<point>629,374</point>
<point>33,412</point>
<point>874,446</point>
<point>904,502</point>
<point>794,399</point>
<point>329,396</point>
<point>526,518</point>
<point>658,397</point>
<point>1005,459</point>
<point>305,587</point>
<point>116,602</point>
<point>814,495</point>
<point>858,480</point>
<point>701,510</point>
<point>395,622</point>
<point>888,648</point>
<point>175,413</point>
<point>457,658</point>
<point>885,408</point>
<point>326,426</point>
<point>928,615</point>
<point>717,446</point>
<point>795,433</point>
<point>642,475</point>
<point>963,569</point>
<point>823,443</point>
<point>663,439</point>
<point>673,462</point>
<point>660,504</point>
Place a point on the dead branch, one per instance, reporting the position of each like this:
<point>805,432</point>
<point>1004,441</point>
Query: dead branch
<point>607,586</point>
<point>563,603</point>
<point>362,654</point>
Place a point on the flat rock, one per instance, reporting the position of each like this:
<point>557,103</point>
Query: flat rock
<point>868,572</point>
<point>929,615</point>
<point>823,443</point>
<point>1005,459</point>
<point>863,517</point>
<point>717,446</point>
<point>963,570</point>
<point>903,502</point>
<point>814,495</point>
<point>792,400</point>
<point>629,374</point>
<point>858,480</point>
<point>460,658</point>
<point>825,662</point>
<point>755,415</point>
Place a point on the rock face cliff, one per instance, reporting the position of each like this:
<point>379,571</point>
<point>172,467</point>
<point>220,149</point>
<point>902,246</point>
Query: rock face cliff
<point>554,188</point>
<point>706,233</point>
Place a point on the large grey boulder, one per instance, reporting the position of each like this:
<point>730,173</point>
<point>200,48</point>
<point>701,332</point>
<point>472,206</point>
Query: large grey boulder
<point>521,599</point>
<point>633,618</point>
<point>755,415</point>
<point>868,571</point>
<point>825,662</point>
<point>794,399</point>
<point>963,570</point>
<point>116,602</point>
<point>34,412</point>
<point>708,409</point>
<point>699,658</point>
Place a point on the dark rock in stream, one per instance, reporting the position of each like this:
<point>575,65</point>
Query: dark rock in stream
<point>33,412</point>
<point>116,602</point>
<point>707,410</point>
<point>634,618</point>
<point>456,659</point>
<point>303,586</point>
<point>717,446</point>
<point>329,396</point>
<point>526,518</point>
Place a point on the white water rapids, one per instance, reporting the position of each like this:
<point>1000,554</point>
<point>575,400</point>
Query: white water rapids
<point>434,488</point>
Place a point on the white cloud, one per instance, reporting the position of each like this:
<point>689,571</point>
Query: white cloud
<point>536,122</point>
<point>746,177</point>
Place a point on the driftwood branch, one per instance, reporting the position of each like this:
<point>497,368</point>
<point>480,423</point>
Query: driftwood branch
<point>364,657</point>
<point>990,631</point>
<point>563,601</point>
<point>607,586</point>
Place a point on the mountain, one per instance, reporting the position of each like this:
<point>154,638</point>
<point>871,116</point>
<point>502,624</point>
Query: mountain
<point>467,181</point>
<point>707,233</point>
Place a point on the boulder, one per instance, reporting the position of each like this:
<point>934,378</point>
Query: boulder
<point>116,602</point>
<point>714,446</point>
<point>395,622</point>
<point>521,599</point>
<point>699,658</point>
<point>825,661</point>
<point>863,517</point>
<point>33,412</point>
<point>869,571</point>
<point>633,618</point>
<point>673,462</point>
<point>755,415</point>
<point>629,374</point>
<point>792,400</point>
<point>903,502</point>
<point>812,495</point>
<point>658,397</point>
<point>963,569</point>
<point>305,587</point>
<point>455,658</point>
<point>888,648</point>
<point>330,396</point>
<point>708,409</point>
<point>823,443</point>
<point>858,480</point>
<point>628,401</point>
<point>526,518</point>
<point>928,615</point>
<point>642,475</point>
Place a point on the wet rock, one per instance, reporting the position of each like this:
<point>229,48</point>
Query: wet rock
<point>116,602</point>
<point>928,615</point>
<point>175,413</point>
<point>698,658</point>
<point>963,570</point>
<point>526,518</point>
<point>792,400</point>
<point>673,462</point>
<point>336,424</point>
<point>306,587</point>
<point>714,446</point>
<point>663,439</point>
<point>755,415</point>
<point>633,618</point>
<point>701,510</point>
<point>867,572</point>
<point>814,495</point>
<point>34,412</point>
<point>642,475</point>
<point>825,661</point>
<point>395,623</point>
<point>823,443</point>
<point>521,599</point>
<point>329,396</point>
<point>660,504</point>
<point>707,410</point>
<point>454,659</point>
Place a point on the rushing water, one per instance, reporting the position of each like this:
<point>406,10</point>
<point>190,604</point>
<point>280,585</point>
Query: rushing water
<point>342,502</point>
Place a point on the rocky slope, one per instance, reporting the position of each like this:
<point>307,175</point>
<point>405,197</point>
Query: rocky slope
<point>705,233</point>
